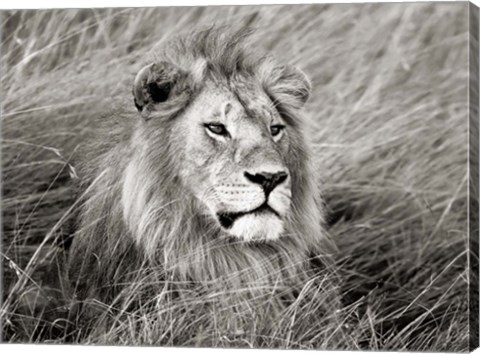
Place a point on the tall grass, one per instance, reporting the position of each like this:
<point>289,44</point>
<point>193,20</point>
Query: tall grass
<point>388,117</point>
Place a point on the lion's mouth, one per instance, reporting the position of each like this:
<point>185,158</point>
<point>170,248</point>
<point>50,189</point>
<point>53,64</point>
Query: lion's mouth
<point>227,219</point>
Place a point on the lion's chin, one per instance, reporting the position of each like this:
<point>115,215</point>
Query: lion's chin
<point>257,227</point>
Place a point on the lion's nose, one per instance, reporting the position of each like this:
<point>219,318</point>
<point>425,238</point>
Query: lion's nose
<point>267,180</point>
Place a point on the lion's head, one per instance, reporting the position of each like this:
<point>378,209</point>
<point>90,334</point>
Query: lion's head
<point>233,124</point>
<point>208,174</point>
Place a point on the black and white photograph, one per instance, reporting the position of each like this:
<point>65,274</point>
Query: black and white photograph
<point>300,176</point>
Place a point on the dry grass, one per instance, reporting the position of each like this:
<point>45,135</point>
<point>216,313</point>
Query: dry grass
<point>389,120</point>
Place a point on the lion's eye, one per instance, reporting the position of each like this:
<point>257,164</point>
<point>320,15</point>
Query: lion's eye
<point>216,128</point>
<point>276,129</point>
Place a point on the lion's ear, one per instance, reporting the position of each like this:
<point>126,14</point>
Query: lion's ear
<point>157,83</point>
<point>286,85</point>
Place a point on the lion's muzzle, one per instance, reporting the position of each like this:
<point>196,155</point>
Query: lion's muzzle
<point>254,206</point>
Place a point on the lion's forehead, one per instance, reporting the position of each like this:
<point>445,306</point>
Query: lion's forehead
<point>256,105</point>
<point>240,99</point>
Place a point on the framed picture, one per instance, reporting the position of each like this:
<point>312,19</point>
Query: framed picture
<point>261,176</point>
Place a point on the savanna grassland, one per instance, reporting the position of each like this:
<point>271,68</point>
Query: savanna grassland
<point>388,118</point>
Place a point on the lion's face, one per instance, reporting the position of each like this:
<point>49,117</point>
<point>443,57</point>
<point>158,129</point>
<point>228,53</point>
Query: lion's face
<point>234,162</point>
<point>235,142</point>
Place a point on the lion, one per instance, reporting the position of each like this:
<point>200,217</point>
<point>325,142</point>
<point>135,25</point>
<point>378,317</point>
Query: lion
<point>206,180</point>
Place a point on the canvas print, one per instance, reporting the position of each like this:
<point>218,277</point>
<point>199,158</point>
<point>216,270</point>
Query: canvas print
<point>281,176</point>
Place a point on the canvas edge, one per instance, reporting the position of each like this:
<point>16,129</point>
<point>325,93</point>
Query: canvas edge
<point>473,204</point>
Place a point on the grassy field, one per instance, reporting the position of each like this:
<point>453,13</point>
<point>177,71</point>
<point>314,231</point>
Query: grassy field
<point>389,122</point>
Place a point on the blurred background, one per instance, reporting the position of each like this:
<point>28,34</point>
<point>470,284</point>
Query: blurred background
<point>388,117</point>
